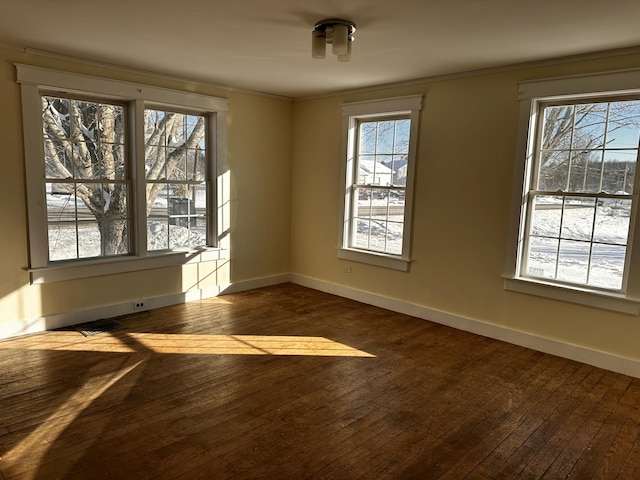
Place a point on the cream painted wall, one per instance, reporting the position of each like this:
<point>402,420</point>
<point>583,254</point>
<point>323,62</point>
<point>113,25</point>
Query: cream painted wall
<point>258,176</point>
<point>468,126</point>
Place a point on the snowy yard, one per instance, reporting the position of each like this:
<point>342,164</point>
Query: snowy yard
<point>560,245</point>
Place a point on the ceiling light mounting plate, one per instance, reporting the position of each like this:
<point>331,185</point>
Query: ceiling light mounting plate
<point>324,25</point>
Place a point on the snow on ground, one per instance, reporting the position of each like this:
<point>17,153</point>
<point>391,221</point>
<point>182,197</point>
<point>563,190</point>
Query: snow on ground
<point>573,258</point>
<point>569,259</point>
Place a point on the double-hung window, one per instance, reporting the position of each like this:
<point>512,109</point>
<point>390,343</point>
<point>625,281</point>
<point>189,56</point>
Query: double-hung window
<point>120,176</point>
<point>379,160</point>
<point>579,192</point>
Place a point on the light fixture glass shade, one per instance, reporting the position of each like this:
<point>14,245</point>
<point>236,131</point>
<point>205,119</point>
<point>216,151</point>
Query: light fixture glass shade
<point>347,56</point>
<point>318,44</point>
<point>340,39</point>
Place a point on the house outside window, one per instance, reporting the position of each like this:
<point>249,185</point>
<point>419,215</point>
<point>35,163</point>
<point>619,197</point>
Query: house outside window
<point>576,226</point>
<point>120,176</point>
<point>379,148</point>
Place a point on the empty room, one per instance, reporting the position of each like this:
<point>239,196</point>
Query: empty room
<point>319,240</point>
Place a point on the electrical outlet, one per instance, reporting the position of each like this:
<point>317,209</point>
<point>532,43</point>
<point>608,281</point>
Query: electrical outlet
<point>347,269</point>
<point>138,305</point>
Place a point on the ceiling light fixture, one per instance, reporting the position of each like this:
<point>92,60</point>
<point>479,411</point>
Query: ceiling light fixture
<point>338,33</point>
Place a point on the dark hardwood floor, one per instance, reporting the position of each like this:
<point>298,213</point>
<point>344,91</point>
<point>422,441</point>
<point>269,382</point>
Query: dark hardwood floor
<point>290,383</point>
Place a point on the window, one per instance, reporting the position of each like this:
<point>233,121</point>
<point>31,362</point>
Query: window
<point>176,173</point>
<point>120,176</point>
<point>579,202</point>
<point>379,152</point>
<point>86,179</point>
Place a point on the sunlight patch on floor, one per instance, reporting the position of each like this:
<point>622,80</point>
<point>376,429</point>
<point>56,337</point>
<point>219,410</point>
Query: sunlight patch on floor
<point>174,343</point>
<point>25,457</point>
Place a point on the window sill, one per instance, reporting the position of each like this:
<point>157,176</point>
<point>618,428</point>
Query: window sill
<point>581,296</point>
<point>379,260</point>
<point>98,267</point>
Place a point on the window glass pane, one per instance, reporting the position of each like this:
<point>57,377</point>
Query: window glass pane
<point>55,118</point>
<point>547,215</point>
<point>89,239</point>
<point>578,217</point>
<point>157,216</point>
<point>399,169</point>
<point>361,233</point>
<point>589,126</point>
<point>157,233</point>
<point>154,163</point>
<point>584,174</point>
<point>386,135</point>
<point>113,166</point>
<point>607,266</point>
<point>117,228</point>
<point>619,171</point>
<point>62,242</point>
<point>394,237</point>
<point>573,261</point>
<point>401,145</point>
<point>542,257</point>
<point>612,221</point>
<point>554,170</point>
<point>153,130</point>
<point>176,163</point>
<point>623,131</point>
<point>557,128</point>
<point>86,162</point>
<point>367,139</point>
<point>61,219</point>
<point>196,164</point>
<point>57,158</point>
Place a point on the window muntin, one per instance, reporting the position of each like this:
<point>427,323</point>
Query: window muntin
<point>379,193</point>
<point>176,179</point>
<point>85,178</point>
<point>582,196</point>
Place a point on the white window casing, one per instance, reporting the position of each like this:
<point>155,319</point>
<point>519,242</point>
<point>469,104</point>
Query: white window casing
<point>533,96</point>
<point>371,111</point>
<point>36,81</point>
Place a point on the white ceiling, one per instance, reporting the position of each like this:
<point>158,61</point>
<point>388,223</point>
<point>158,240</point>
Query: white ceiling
<point>265,45</point>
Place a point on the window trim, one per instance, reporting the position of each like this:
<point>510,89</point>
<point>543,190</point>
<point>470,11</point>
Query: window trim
<point>368,110</point>
<point>530,95</point>
<point>35,81</point>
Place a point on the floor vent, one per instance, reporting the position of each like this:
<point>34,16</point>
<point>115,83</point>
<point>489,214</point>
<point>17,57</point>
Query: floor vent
<point>94,328</point>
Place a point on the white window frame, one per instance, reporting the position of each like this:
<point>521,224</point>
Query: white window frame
<point>531,96</point>
<point>36,81</point>
<point>352,113</point>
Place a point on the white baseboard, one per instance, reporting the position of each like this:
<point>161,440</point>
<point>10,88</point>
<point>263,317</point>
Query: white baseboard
<point>608,361</point>
<point>50,322</point>
<point>261,282</point>
<point>579,353</point>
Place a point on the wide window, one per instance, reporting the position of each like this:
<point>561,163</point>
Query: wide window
<point>576,234</point>
<point>380,143</point>
<point>120,176</point>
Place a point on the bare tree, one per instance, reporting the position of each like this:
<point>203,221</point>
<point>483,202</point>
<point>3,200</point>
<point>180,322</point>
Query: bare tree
<point>573,139</point>
<point>85,153</point>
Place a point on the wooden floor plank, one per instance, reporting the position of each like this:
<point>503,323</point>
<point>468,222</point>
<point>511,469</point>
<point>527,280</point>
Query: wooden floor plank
<point>290,383</point>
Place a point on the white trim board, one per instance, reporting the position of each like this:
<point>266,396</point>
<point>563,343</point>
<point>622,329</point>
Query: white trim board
<point>41,324</point>
<point>608,361</point>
